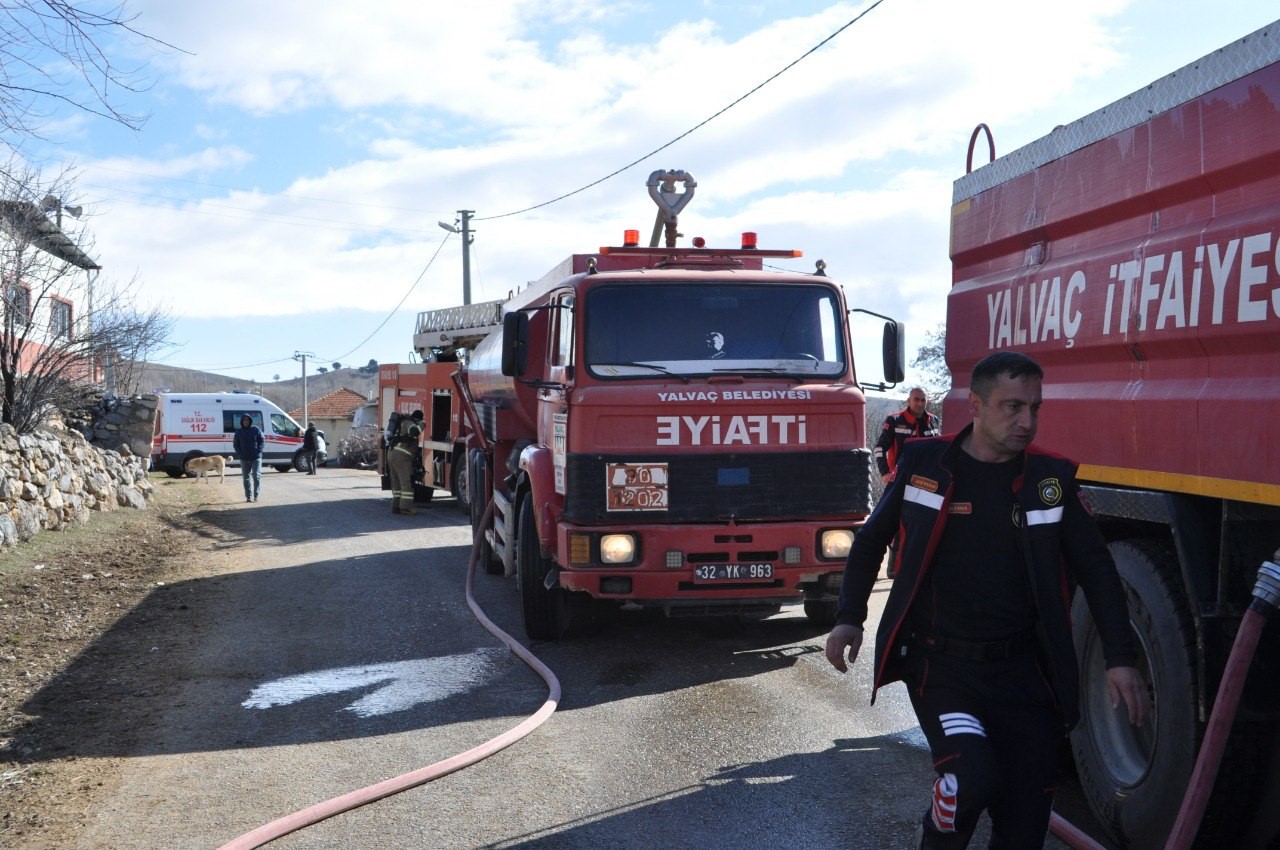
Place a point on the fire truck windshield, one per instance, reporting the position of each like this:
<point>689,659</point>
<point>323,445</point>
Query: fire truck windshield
<point>635,330</point>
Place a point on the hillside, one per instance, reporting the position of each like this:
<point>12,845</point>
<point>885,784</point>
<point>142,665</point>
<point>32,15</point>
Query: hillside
<point>153,377</point>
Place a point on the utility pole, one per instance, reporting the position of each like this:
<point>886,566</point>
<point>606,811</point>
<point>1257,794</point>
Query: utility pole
<point>467,238</point>
<point>303,355</point>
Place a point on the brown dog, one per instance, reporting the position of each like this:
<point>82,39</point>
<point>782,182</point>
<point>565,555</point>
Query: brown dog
<point>204,466</point>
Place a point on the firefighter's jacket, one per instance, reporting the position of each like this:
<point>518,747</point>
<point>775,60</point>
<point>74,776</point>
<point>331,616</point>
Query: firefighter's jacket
<point>896,430</point>
<point>1061,546</point>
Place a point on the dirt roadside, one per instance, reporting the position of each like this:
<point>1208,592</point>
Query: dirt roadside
<point>72,615</point>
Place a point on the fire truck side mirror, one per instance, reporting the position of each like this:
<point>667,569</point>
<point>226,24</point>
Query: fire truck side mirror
<point>894,351</point>
<point>515,343</point>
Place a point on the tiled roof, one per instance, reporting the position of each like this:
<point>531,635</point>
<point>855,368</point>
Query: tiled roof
<point>338,404</point>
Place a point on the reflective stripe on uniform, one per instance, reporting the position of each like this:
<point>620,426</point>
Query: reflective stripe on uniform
<point>922,497</point>
<point>1045,517</point>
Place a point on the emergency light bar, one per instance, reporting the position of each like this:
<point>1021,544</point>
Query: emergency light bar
<point>635,250</point>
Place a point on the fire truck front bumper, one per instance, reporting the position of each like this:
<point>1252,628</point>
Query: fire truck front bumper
<point>692,565</point>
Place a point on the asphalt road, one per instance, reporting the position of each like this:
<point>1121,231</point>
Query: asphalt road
<point>337,651</point>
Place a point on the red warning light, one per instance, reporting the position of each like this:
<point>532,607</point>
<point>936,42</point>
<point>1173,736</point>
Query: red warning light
<point>630,238</point>
<point>699,242</point>
<point>748,239</point>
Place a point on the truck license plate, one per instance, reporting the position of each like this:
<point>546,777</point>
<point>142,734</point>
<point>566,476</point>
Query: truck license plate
<point>733,572</point>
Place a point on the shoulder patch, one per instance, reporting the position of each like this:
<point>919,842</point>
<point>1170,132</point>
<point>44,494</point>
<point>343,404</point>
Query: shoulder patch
<point>924,483</point>
<point>1050,491</point>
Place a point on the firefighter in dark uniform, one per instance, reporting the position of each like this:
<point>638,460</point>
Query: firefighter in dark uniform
<point>976,623</point>
<point>913,421</point>
<point>400,458</point>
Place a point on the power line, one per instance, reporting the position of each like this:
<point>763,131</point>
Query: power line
<point>256,215</point>
<point>396,309</point>
<point>290,195</point>
<point>692,129</point>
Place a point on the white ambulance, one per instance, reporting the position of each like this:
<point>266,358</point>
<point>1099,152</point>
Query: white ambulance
<point>196,424</point>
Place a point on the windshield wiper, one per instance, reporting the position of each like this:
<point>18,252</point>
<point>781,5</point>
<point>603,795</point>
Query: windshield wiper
<point>768,370</point>
<point>654,366</point>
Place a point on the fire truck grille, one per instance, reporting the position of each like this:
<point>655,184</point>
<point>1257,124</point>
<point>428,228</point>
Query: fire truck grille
<point>714,487</point>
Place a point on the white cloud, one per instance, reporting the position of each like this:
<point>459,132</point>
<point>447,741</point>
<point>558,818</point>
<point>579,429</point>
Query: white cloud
<point>497,106</point>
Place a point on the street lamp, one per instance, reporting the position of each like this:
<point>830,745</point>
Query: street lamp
<point>54,204</point>
<point>467,237</point>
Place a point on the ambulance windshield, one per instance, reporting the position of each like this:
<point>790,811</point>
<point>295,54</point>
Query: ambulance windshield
<point>691,329</point>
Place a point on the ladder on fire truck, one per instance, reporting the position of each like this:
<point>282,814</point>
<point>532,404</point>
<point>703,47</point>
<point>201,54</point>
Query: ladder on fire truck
<point>440,333</point>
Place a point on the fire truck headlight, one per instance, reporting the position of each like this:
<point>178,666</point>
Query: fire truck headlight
<point>836,543</point>
<point>617,548</point>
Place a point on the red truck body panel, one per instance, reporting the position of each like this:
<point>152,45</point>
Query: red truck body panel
<point>1142,270</point>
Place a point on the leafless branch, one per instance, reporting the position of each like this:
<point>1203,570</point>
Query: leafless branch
<point>61,324</point>
<point>57,52</point>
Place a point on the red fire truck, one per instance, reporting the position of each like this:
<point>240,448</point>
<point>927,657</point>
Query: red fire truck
<point>442,339</point>
<point>670,427</point>
<point>1135,253</point>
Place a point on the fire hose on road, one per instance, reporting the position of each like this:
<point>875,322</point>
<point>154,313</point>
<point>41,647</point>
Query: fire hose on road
<point>321,811</point>
<point>1266,599</point>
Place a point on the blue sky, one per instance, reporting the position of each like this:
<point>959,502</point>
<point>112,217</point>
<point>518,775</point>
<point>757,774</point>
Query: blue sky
<point>284,194</point>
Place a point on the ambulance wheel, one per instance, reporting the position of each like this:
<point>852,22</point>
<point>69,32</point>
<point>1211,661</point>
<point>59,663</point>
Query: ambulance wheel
<point>1134,777</point>
<point>821,612</point>
<point>187,458</point>
<point>174,471</point>
<point>549,613</point>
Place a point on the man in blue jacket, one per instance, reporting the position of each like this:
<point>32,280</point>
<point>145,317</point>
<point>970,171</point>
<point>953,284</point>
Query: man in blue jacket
<point>994,532</point>
<point>248,444</point>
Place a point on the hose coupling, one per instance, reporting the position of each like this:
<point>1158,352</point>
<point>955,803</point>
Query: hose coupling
<point>1266,589</point>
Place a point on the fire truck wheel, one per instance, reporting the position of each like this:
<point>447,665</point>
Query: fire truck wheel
<point>541,606</point>
<point>460,479</point>
<point>1134,777</point>
<point>821,612</point>
<point>492,565</point>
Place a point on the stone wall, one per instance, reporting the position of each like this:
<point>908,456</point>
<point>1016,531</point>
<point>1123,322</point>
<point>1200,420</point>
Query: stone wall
<point>111,422</point>
<point>53,478</point>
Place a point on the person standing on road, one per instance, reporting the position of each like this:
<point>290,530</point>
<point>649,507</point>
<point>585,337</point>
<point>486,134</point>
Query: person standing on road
<point>400,457</point>
<point>912,421</point>
<point>310,445</point>
<point>248,443</point>
<point>976,623</point>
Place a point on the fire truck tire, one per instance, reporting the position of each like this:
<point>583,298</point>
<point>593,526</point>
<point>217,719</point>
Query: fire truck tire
<point>1134,777</point>
<point>821,612</point>
<point>460,479</point>
<point>491,564</point>
<point>543,609</point>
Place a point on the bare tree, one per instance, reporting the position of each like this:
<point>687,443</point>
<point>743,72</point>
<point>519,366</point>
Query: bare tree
<point>62,326</point>
<point>57,52</point>
<point>931,361</point>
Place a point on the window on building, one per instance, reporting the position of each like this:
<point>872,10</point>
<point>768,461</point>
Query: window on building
<point>60,319</point>
<point>17,303</point>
